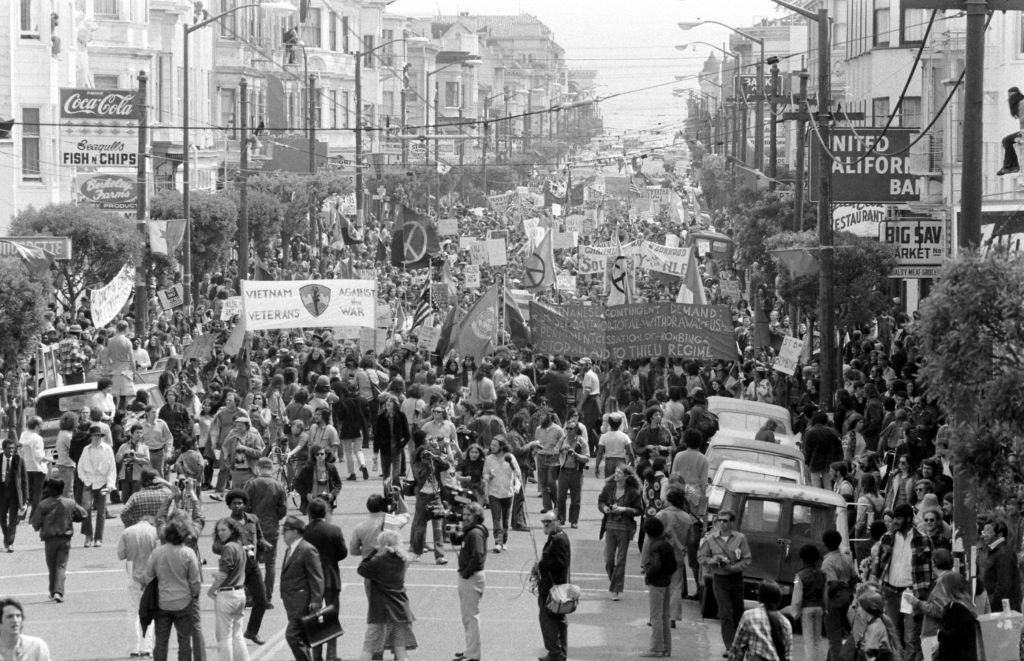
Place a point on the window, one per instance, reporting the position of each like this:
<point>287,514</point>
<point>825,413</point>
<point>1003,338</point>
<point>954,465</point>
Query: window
<point>346,121</point>
<point>761,516</point>
<point>810,523</point>
<point>387,55</point>
<point>228,118</point>
<point>913,23</point>
<point>367,47</point>
<point>879,111</point>
<point>29,20</point>
<point>388,103</point>
<point>30,144</point>
<point>344,34</point>
<point>229,23</point>
<point>105,82</point>
<point>910,112</point>
<point>314,28</point>
<point>880,24</point>
<point>451,94</point>
<point>332,31</point>
<point>334,109</point>
<point>160,89</point>
<point>106,8</point>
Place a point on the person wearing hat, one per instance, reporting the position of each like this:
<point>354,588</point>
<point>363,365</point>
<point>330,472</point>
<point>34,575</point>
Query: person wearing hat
<point>589,401</point>
<point>71,356</point>
<point>97,469</point>
<point>255,546</point>
<point>552,569</point>
<point>904,563</point>
<point>242,448</point>
<point>1010,163</point>
<point>302,584</point>
<point>873,631</point>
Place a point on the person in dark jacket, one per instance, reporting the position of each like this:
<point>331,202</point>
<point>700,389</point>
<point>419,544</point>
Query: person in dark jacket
<point>427,463</point>
<point>556,387</point>
<point>269,502</point>
<point>348,415</point>
<point>1010,163</point>
<point>329,542</point>
<point>391,434</point>
<point>821,447</point>
<point>472,557</point>
<point>658,565</point>
<point>552,569</point>
<point>53,518</point>
<point>389,618</point>
<point>998,567</point>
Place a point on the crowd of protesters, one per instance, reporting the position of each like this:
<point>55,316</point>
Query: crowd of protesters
<point>302,412</point>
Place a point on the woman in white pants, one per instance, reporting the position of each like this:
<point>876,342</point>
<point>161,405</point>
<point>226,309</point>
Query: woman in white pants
<point>228,592</point>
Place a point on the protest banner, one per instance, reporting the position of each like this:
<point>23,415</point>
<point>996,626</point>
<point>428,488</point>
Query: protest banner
<point>573,331</point>
<point>789,355</point>
<point>472,273</point>
<point>172,297</point>
<point>663,259</point>
<point>448,227</point>
<point>428,337</point>
<point>496,253</point>
<point>230,308</point>
<point>498,234</point>
<point>672,330</point>
<point>275,304</point>
<point>565,282</point>
<point>108,300</point>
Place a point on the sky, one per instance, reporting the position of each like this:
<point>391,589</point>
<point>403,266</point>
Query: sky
<point>631,44</point>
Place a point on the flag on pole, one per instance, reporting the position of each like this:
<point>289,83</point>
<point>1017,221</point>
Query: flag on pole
<point>165,235</point>
<point>423,310</point>
<point>539,266</point>
<point>413,241</point>
<point>692,289</point>
<point>444,341</point>
<point>37,260</point>
<point>621,277</point>
<point>478,330</point>
<point>515,322</point>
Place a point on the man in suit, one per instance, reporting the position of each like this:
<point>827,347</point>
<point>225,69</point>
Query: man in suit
<point>13,492</point>
<point>552,569</point>
<point>302,584</point>
<point>329,542</point>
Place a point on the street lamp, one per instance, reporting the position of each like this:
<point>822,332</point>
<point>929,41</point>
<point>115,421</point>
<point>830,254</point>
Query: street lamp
<point>281,6</point>
<point>359,55</point>
<point>759,108</point>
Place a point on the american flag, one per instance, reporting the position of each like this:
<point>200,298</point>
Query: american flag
<point>634,186</point>
<point>423,309</point>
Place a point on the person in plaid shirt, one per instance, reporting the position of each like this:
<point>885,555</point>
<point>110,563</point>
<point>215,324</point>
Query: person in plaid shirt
<point>904,563</point>
<point>72,357</point>
<point>149,500</point>
<point>763,634</point>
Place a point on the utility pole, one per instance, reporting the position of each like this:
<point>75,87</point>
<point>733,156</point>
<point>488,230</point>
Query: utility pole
<point>801,157</point>
<point>314,219</point>
<point>826,308</point>
<point>359,137</point>
<point>759,113</point>
<point>483,158</point>
<point>527,120</point>
<point>773,136</point>
<point>969,229</point>
<point>141,211</point>
<point>243,190</point>
<point>405,150</point>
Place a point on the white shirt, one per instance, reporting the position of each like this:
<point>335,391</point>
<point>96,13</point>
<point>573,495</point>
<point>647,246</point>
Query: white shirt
<point>591,384</point>
<point>900,574</point>
<point>32,452</point>
<point>142,359</point>
<point>96,467</point>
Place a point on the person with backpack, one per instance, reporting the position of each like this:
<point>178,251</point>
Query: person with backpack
<point>701,418</point>
<point>873,636</point>
<point>808,602</point>
<point>763,632</point>
<point>948,626</point>
<point>840,581</point>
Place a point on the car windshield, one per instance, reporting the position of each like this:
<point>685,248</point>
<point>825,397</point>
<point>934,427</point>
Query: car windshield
<point>735,420</point>
<point>811,521</point>
<point>49,408</point>
<point>720,454</point>
<point>733,473</point>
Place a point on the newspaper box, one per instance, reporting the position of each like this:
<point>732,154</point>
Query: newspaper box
<point>1000,636</point>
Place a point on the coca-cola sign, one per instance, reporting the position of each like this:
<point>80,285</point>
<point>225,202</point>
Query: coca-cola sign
<point>84,103</point>
<point>108,191</point>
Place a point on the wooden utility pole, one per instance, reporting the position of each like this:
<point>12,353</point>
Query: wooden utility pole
<point>243,186</point>
<point>141,210</point>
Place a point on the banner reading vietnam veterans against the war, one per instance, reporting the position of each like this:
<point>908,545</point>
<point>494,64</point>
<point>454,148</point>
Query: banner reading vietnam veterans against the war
<point>673,330</point>
<point>269,304</point>
<point>570,330</point>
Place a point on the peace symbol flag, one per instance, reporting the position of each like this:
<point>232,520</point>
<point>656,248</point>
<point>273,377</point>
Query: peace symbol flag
<point>621,277</point>
<point>539,265</point>
<point>413,240</point>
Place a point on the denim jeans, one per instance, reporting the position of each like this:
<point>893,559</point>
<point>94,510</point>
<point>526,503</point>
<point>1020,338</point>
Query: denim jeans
<point>570,485</point>
<point>908,627</point>
<point>616,547</point>
<point>547,482</point>
<point>501,511</point>
<point>420,519</point>
<point>810,622</point>
<point>270,559</point>
<point>554,630</point>
<point>99,506</point>
<point>661,632</point>
<point>728,589</point>
<point>183,621</point>
<point>57,551</point>
<point>254,586</point>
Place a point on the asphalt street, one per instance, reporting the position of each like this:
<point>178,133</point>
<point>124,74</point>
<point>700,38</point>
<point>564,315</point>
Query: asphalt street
<point>93,622</point>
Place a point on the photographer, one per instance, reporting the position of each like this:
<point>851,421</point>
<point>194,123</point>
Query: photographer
<point>427,464</point>
<point>573,456</point>
<point>131,458</point>
<point>149,500</point>
<point>254,545</point>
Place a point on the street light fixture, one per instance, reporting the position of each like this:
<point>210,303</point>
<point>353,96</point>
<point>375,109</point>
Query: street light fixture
<point>275,6</point>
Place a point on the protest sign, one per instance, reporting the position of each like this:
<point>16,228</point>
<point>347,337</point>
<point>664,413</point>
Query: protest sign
<point>466,242</point>
<point>498,234</point>
<point>440,294</point>
<point>230,308</point>
<point>201,348</point>
<point>382,317</point>
<point>472,274</point>
<point>108,300</point>
<point>448,227</point>
<point>172,297</point>
<point>428,337</point>
<point>308,303</point>
<point>496,253</point>
<point>703,247</point>
<point>565,240</point>
<point>568,330</point>
<point>730,289</point>
<point>478,253</point>
<point>573,223</point>
<point>556,210</point>
<point>366,274</point>
<point>673,330</point>
<point>672,240</point>
<point>789,355</point>
<point>565,282</point>
<point>530,224</point>
<point>663,259</point>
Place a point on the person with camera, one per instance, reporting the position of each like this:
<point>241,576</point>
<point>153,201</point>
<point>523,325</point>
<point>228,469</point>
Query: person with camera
<point>573,457</point>
<point>242,447</point>
<point>724,554</point>
<point>152,497</point>
<point>428,462</point>
<point>552,569</point>
<point>319,478</point>
<point>228,592</point>
<point>472,557</point>
<point>132,457</point>
<point>254,545</point>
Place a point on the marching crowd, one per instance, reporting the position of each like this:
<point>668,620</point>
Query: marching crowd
<point>296,414</point>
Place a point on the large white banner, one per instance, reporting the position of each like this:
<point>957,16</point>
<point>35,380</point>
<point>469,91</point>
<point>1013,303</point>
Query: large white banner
<point>268,304</point>
<point>108,300</point>
<point>663,259</point>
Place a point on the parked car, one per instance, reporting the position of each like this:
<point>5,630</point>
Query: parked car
<point>731,469</point>
<point>741,419</point>
<point>52,403</point>
<point>778,518</point>
<point>773,455</point>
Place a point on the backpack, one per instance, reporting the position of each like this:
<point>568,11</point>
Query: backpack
<point>706,423</point>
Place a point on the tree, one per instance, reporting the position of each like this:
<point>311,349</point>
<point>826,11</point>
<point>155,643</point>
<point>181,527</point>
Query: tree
<point>971,334</point>
<point>214,219</point>
<point>22,304</point>
<point>101,243</point>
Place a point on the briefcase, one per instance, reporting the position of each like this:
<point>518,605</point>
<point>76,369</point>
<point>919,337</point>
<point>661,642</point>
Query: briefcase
<point>322,626</point>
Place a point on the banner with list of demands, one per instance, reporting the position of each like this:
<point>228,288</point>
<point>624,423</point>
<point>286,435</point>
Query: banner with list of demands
<point>673,330</point>
<point>272,304</point>
<point>569,330</point>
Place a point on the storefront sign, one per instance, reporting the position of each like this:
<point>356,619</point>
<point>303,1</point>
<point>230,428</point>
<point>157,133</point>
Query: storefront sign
<point>107,191</point>
<point>922,245</point>
<point>883,175</point>
<point>88,103</point>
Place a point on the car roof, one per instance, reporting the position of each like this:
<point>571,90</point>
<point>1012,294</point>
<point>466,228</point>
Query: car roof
<point>751,467</point>
<point>718,403</point>
<point>787,491</point>
<point>756,446</point>
<point>89,386</point>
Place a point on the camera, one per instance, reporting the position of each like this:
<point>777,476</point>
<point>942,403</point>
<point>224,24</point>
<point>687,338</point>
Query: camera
<point>450,513</point>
